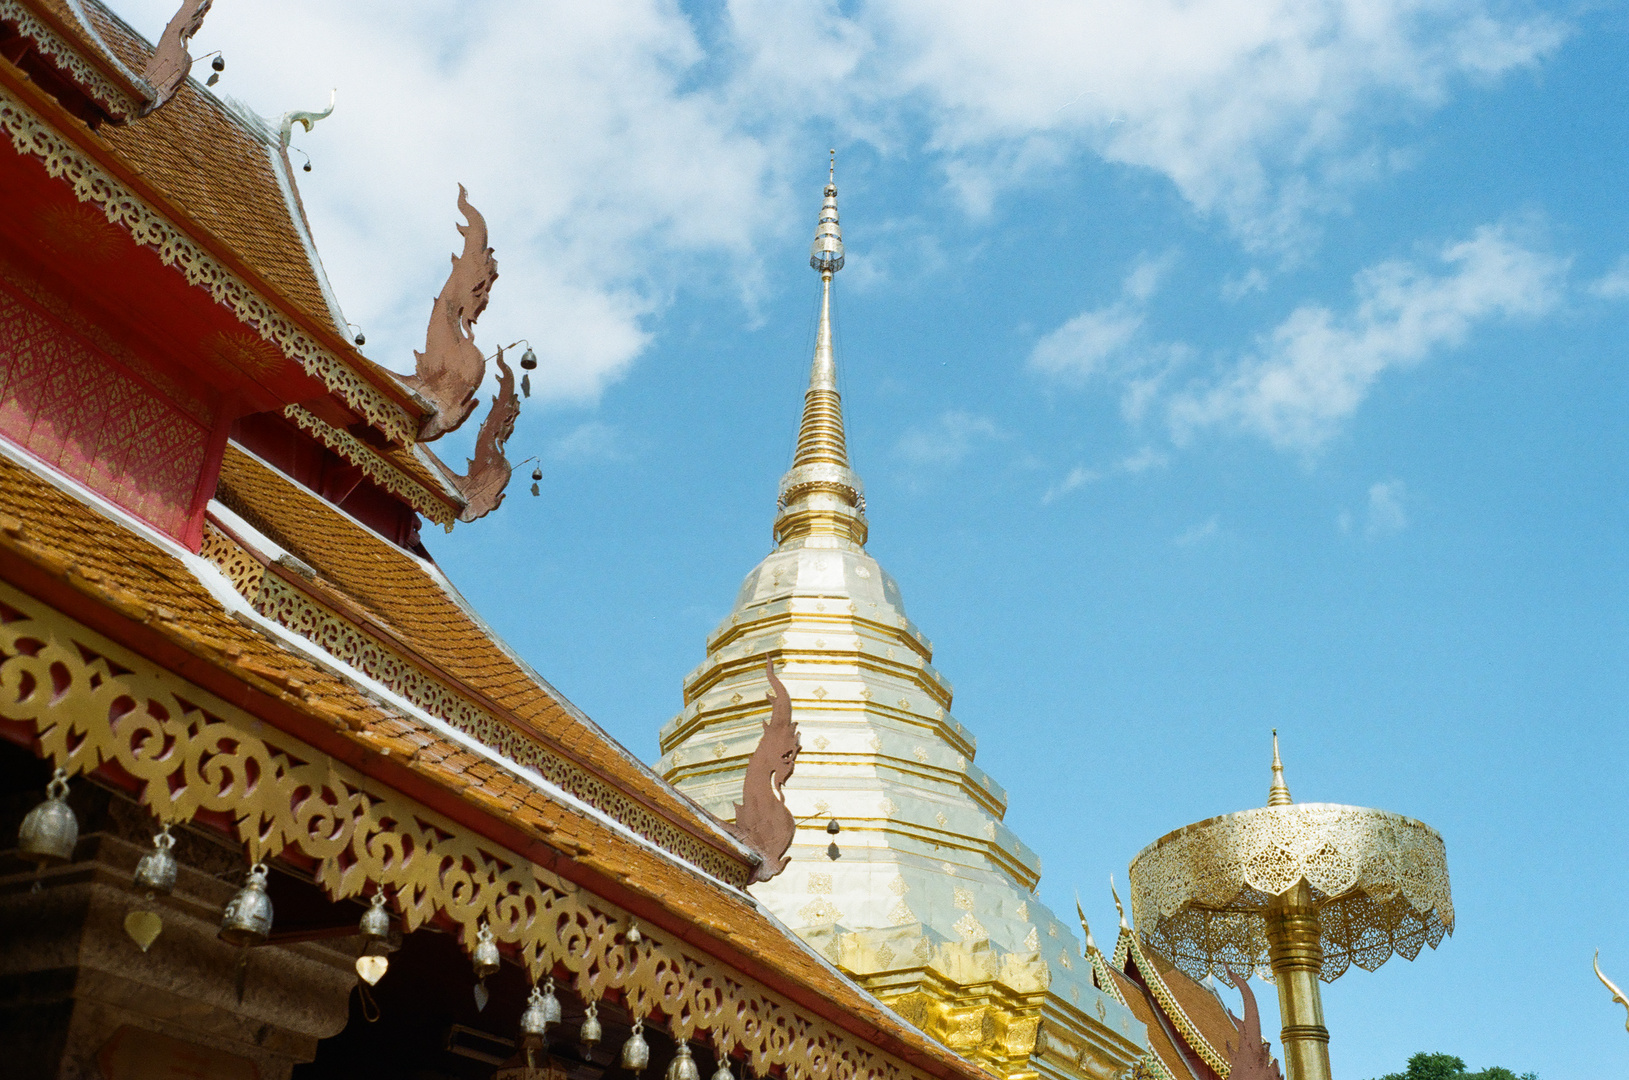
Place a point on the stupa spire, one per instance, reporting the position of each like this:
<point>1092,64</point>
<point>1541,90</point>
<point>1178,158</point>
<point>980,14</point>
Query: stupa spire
<point>1279,794</point>
<point>821,496</point>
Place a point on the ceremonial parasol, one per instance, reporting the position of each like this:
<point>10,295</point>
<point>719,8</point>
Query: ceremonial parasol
<point>1303,889</point>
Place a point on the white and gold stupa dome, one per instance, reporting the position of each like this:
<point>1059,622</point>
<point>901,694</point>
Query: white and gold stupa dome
<point>930,903</point>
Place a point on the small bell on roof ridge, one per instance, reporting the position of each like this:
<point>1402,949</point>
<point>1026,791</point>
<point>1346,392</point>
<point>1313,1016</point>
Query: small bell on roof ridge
<point>1279,794</point>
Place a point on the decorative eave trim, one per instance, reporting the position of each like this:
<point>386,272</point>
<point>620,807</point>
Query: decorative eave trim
<point>67,686</point>
<point>372,651</point>
<point>438,509</point>
<point>91,73</point>
<point>35,137</point>
<point>1173,1009</point>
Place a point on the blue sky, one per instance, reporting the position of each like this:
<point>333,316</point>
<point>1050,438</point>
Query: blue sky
<point>1211,367</point>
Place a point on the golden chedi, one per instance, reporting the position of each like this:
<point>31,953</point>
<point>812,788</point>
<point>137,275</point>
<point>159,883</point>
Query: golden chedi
<point>930,903</point>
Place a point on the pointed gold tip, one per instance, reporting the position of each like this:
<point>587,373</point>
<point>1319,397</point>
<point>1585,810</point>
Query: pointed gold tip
<point>1121,908</point>
<point>1279,793</point>
<point>1091,946</point>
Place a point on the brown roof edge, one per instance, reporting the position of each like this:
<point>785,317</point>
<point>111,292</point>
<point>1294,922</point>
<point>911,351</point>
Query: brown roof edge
<point>86,43</point>
<point>163,644</point>
<point>104,155</point>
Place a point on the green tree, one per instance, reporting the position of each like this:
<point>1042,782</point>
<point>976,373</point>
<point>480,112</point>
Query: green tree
<point>1423,1066</point>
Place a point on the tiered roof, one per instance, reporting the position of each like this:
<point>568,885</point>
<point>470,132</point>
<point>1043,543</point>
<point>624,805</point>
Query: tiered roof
<point>299,626</point>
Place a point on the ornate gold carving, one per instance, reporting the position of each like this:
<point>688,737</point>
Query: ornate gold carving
<point>374,467</point>
<point>93,702</point>
<point>819,884</point>
<point>242,569</point>
<point>1199,893</point>
<point>32,136</point>
<point>292,609</point>
<point>67,59</point>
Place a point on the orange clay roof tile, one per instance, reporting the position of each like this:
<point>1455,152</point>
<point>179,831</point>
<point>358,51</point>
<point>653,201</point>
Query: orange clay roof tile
<point>409,602</point>
<point>1143,1007</point>
<point>1206,1011</point>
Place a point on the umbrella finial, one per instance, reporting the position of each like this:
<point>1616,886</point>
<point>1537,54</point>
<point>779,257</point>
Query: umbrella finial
<point>1279,794</point>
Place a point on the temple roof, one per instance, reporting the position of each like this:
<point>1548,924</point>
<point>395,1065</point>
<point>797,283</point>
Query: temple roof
<point>72,549</point>
<point>218,175</point>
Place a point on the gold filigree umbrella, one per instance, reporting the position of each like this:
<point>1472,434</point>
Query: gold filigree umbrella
<point>1303,889</point>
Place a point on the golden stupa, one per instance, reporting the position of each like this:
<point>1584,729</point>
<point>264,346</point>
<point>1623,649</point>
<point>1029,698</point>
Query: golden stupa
<point>930,902</point>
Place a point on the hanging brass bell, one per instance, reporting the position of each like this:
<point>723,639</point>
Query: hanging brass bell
<point>636,1051</point>
<point>683,1066</point>
<point>486,958</point>
<point>723,1071</point>
<point>591,1032</point>
<point>534,1022</point>
<point>375,924</point>
<point>633,936</point>
<point>156,871</point>
<point>50,830</point>
<point>248,916</point>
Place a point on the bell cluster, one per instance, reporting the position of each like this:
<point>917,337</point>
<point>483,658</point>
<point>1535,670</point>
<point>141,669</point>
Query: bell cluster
<point>50,832</point>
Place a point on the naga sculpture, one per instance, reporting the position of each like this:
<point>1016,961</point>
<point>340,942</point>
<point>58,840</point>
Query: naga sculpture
<point>450,369</point>
<point>1251,1058</point>
<point>170,63</point>
<point>482,487</point>
<point>762,820</point>
<point>1617,995</point>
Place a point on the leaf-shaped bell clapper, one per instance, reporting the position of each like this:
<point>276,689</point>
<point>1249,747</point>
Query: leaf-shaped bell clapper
<point>155,873</point>
<point>248,916</point>
<point>50,830</point>
<point>683,1066</point>
<point>591,1032</point>
<point>636,1051</point>
<point>375,930</point>
<point>486,959</point>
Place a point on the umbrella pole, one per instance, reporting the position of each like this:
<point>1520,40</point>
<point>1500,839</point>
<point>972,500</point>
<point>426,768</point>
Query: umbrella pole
<point>1297,956</point>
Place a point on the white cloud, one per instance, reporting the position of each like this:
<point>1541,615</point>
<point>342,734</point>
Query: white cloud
<point>1090,343</point>
<point>591,440</point>
<point>948,440</point>
<point>1135,464</point>
<point>1614,284</point>
<point>1079,476</point>
<point>1261,110</point>
<point>1237,288</point>
<point>625,148</point>
<point>1385,514</point>
<point>1199,533</point>
<point>1316,367</point>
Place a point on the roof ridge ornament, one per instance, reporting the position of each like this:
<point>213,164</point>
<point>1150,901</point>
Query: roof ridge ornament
<point>1279,793</point>
<point>170,63</point>
<point>762,821</point>
<point>306,119</point>
<point>450,369</point>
